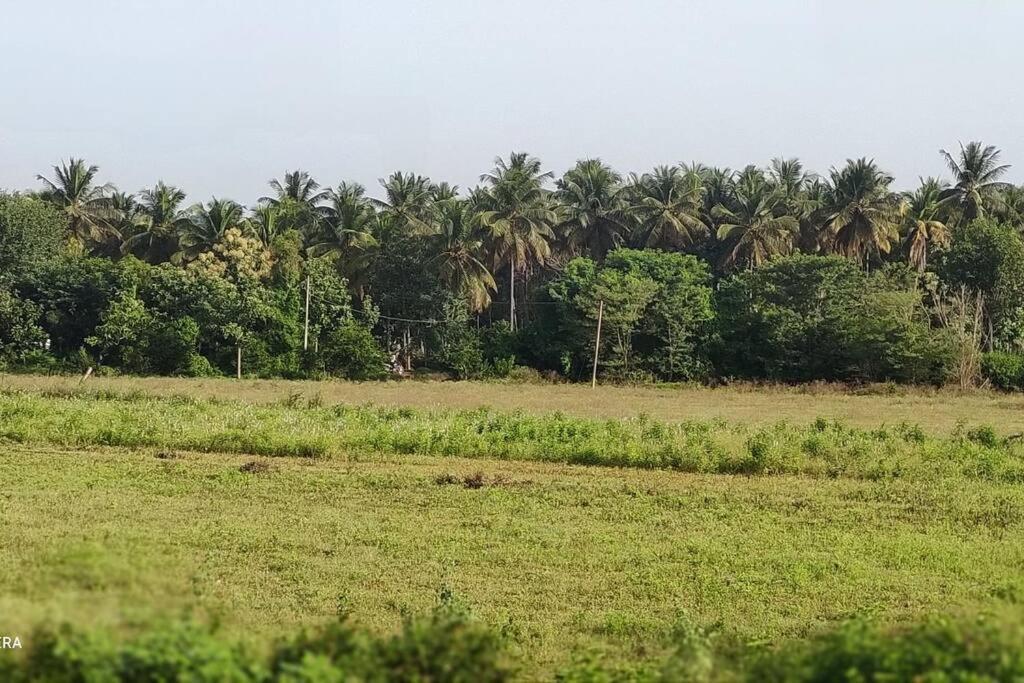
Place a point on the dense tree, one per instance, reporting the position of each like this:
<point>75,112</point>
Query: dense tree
<point>414,272</point>
<point>31,231</point>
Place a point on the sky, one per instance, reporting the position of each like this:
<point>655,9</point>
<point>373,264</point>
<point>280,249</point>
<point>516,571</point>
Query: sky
<point>219,96</point>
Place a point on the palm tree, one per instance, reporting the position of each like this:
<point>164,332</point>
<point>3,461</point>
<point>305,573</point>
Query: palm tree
<point>591,197</point>
<point>298,187</point>
<point>407,199</point>
<point>87,207</point>
<point>923,220</point>
<point>266,222</point>
<point>516,213</point>
<point>348,222</point>
<point>862,216</point>
<point>976,175</point>
<point>209,223</point>
<point>459,246</point>
<point>667,206</point>
<point>443,191</point>
<point>162,222</point>
<point>755,226</point>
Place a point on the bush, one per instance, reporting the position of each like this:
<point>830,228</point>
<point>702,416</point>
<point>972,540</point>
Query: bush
<point>20,333</point>
<point>350,351</point>
<point>445,646</point>
<point>1004,370</point>
<point>937,650</point>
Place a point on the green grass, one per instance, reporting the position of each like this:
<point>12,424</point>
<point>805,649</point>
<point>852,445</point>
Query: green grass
<point>120,509</point>
<point>306,429</point>
<point>936,410</point>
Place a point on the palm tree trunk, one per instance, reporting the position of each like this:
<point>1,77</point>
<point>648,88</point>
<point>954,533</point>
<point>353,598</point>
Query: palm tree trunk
<point>512,293</point>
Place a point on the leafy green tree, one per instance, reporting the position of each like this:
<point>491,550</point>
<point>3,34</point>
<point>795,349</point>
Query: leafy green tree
<point>31,231</point>
<point>591,197</point>
<point>515,210</point>
<point>802,318</point>
<point>862,216</point>
<point>73,293</point>
<point>350,351</point>
<point>120,337</point>
<point>675,326</point>
<point>657,308</point>
<point>976,173</point>
<point>923,220</point>
<point>988,257</point>
<point>87,206</point>
<point>20,333</point>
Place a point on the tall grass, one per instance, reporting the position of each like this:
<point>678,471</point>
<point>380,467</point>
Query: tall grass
<point>301,428</point>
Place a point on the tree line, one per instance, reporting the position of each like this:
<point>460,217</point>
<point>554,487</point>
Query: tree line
<point>701,273</point>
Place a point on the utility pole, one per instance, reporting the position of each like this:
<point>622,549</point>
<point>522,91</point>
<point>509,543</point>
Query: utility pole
<point>305,331</point>
<point>597,344</point>
<point>238,361</point>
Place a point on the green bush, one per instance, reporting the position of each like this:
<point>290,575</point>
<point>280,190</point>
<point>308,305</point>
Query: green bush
<point>1004,370</point>
<point>445,646</point>
<point>20,333</point>
<point>350,351</point>
<point>939,650</point>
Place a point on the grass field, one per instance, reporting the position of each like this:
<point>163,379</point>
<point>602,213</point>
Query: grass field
<point>933,409</point>
<point>563,559</point>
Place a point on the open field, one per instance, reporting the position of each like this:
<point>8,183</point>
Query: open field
<point>935,410</point>
<point>562,558</point>
<point>110,515</point>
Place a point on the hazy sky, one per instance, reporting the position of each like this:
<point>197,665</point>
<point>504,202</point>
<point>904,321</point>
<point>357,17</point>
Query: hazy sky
<point>219,96</point>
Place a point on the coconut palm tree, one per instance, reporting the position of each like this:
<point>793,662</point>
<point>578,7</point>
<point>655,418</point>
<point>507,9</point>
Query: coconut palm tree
<point>407,200</point>
<point>162,221</point>
<point>459,245</point>
<point>208,224</point>
<point>755,226</point>
<point>666,205</point>
<point>266,222</point>
<point>976,175</point>
<point>297,187</point>
<point>517,215</point>
<point>348,222</point>
<point>862,217</point>
<point>592,207</point>
<point>89,212</point>
<point>923,218</point>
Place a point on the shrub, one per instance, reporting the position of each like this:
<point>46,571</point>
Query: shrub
<point>938,650</point>
<point>1004,370</point>
<point>350,351</point>
<point>20,333</point>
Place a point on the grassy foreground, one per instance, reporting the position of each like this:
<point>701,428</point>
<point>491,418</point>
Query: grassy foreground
<point>121,509</point>
<point>561,559</point>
